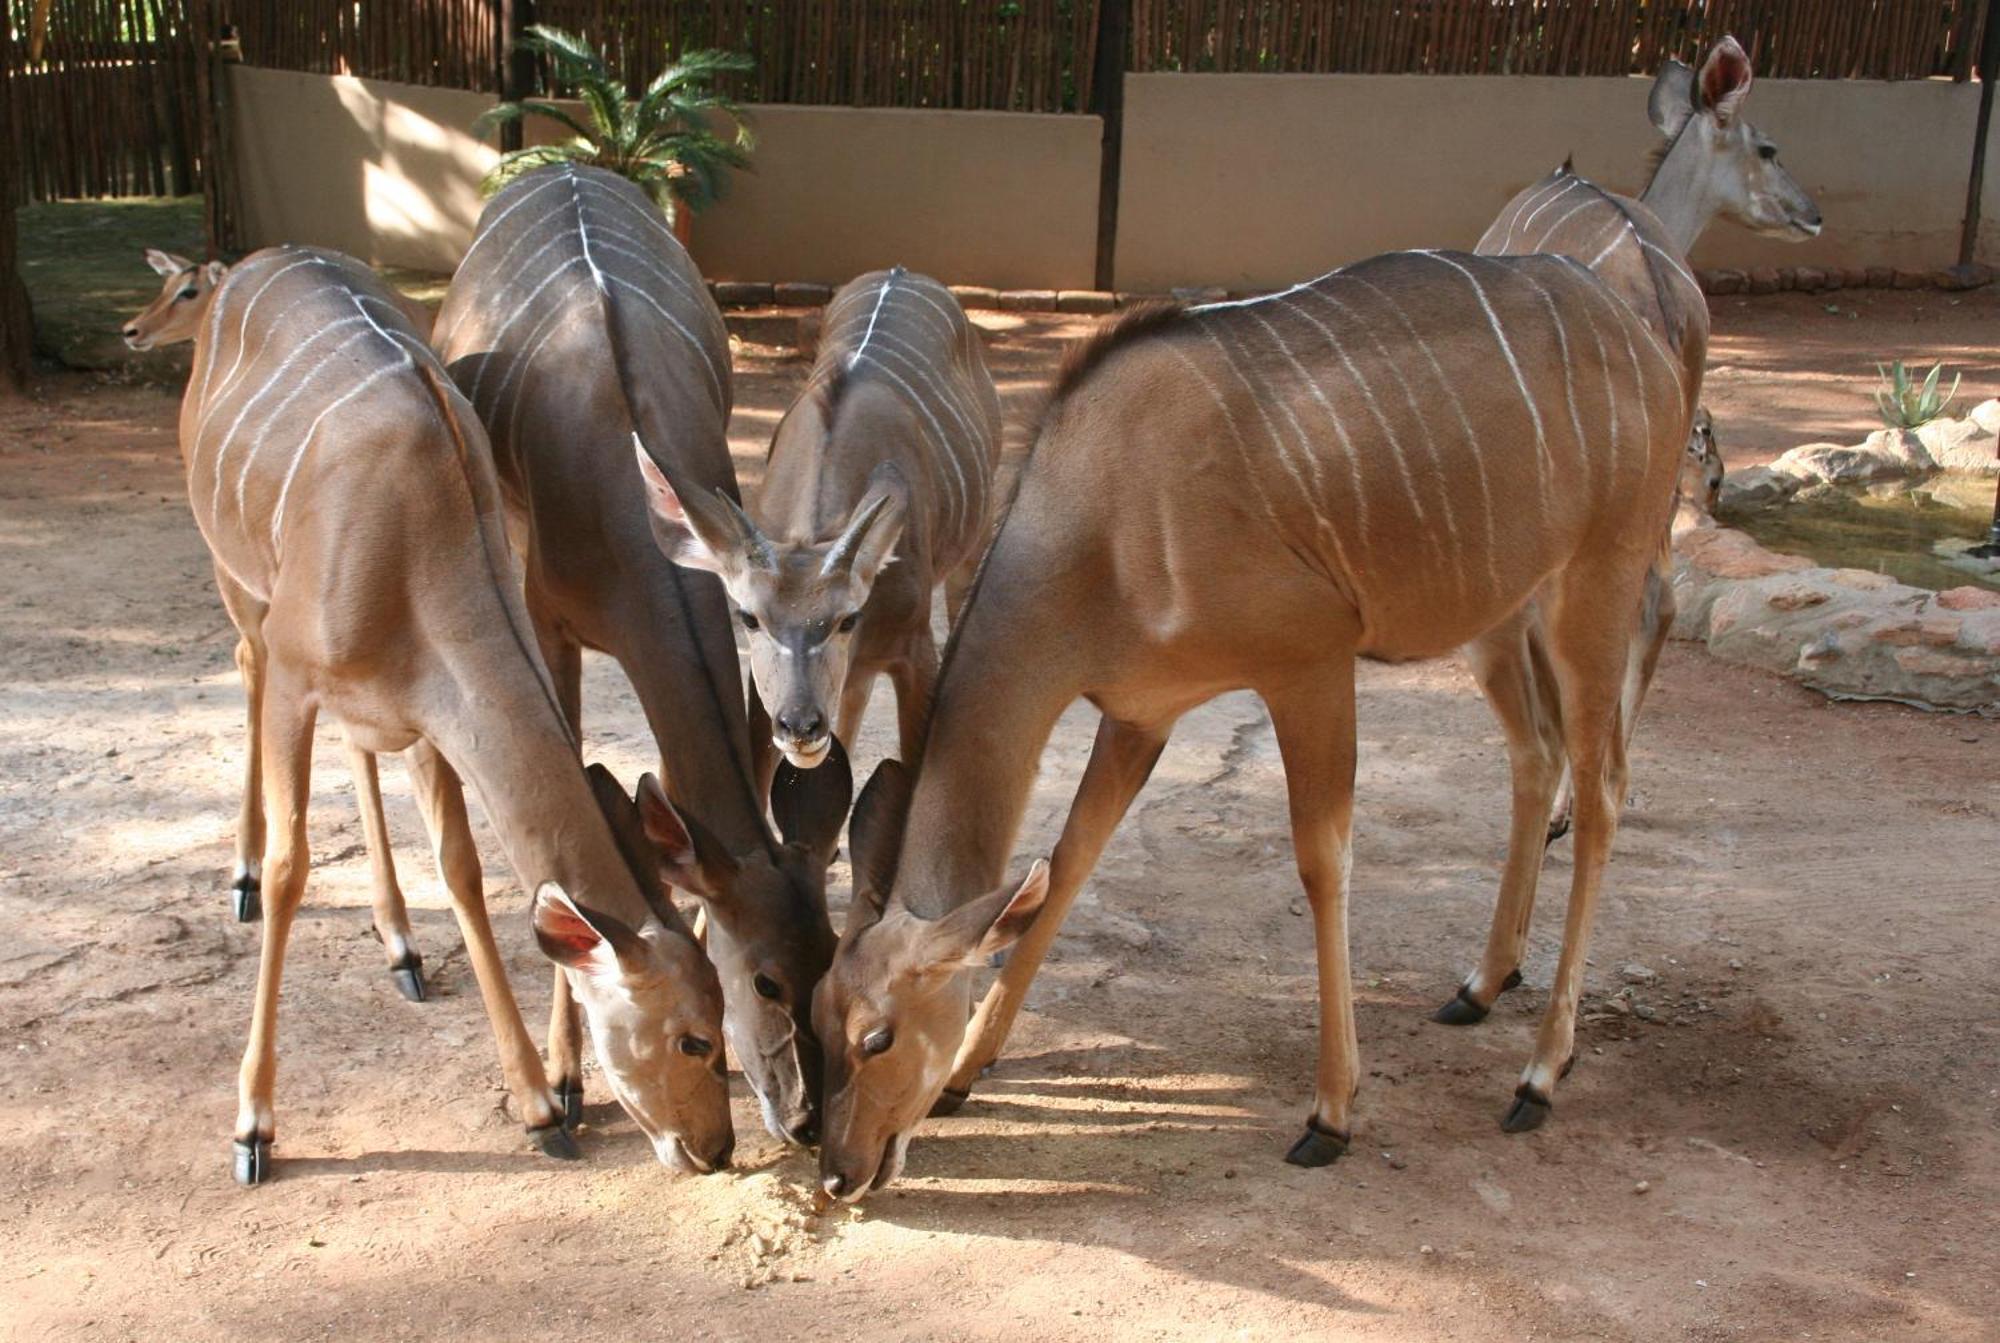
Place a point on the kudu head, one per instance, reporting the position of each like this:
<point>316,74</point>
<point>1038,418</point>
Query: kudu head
<point>891,1012</point>
<point>651,999</point>
<point>176,314</point>
<point>1701,473</point>
<point>1716,161</point>
<point>799,601</point>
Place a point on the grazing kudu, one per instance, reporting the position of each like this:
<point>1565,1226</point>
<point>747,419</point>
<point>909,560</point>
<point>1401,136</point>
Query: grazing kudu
<point>175,316</point>
<point>344,489</point>
<point>879,485</point>
<point>577,326</point>
<point>1702,474</point>
<point>1385,462</point>
<point>1713,162</point>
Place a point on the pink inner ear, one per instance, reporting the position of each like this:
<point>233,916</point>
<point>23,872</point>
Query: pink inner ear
<point>663,823</point>
<point>1726,72</point>
<point>564,928</point>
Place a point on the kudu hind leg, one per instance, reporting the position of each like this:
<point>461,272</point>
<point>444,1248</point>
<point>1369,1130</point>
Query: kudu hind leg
<point>1314,725</point>
<point>246,881</point>
<point>1121,760</point>
<point>442,798</point>
<point>392,915</point>
<point>1590,656</point>
<point>285,741</point>
<point>1513,670</point>
<point>1642,660</point>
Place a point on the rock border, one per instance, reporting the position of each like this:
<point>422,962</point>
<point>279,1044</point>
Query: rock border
<point>1827,279</point>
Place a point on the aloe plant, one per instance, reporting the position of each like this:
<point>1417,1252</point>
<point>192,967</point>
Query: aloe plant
<point>665,139</point>
<point>1908,404</point>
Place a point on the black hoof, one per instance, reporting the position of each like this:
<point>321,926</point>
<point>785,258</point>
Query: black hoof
<point>248,900</point>
<point>1531,1110</point>
<point>569,1095</point>
<point>555,1141</point>
<point>409,977</point>
<point>1460,1010</point>
<point>1320,1146</point>
<point>949,1103</point>
<point>253,1160</point>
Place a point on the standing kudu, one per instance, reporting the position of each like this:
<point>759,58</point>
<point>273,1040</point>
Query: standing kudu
<point>1386,463</point>
<point>578,327</point>
<point>345,491</point>
<point>1713,162</point>
<point>176,316</point>
<point>879,486</point>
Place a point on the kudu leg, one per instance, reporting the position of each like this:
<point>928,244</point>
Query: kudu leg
<point>245,882</point>
<point>564,658</point>
<point>1514,672</point>
<point>913,675</point>
<point>1314,725</point>
<point>1642,659</point>
<point>854,697</point>
<point>285,740</point>
<point>1121,760</point>
<point>442,798</point>
<point>392,916</point>
<point>1590,657</point>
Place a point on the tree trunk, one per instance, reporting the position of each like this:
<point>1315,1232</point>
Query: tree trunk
<point>17,324</point>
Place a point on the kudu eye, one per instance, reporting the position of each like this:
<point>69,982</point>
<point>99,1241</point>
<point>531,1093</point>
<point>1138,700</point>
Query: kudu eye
<point>696,1047</point>
<point>189,292</point>
<point>848,622</point>
<point>749,621</point>
<point>766,987</point>
<point>878,1040</point>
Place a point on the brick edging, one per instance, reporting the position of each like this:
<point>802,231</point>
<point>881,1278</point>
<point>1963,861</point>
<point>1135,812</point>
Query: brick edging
<point>1826,279</point>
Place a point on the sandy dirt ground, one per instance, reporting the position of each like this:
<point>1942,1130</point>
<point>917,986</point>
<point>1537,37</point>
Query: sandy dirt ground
<point>1783,1125</point>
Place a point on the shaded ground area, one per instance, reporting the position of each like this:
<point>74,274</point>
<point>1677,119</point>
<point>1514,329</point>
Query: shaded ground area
<point>1789,1038</point>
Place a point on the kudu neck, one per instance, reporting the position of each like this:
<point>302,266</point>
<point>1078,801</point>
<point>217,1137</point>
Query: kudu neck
<point>1681,195</point>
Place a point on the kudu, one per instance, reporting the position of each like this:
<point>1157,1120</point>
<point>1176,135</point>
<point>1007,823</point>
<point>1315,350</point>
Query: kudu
<point>1713,161</point>
<point>578,327</point>
<point>344,489</point>
<point>878,486</point>
<point>1254,494</point>
<point>175,316</point>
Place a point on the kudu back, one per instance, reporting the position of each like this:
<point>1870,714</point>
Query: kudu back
<point>344,490</point>
<point>578,327</point>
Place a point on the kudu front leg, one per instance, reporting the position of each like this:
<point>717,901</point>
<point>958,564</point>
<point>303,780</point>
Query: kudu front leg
<point>392,915</point>
<point>246,881</point>
<point>442,798</point>
<point>564,658</point>
<point>1642,659</point>
<point>1314,725</point>
<point>914,674</point>
<point>1121,760</point>
<point>285,739</point>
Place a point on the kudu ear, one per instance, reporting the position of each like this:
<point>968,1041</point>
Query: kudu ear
<point>696,533</point>
<point>166,263</point>
<point>973,932</point>
<point>868,541</point>
<point>690,857</point>
<point>569,936</point>
<point>628,829</point>
<point>215,270</point>
<point>811,804</point>
<point>875,836</point>
<point>1671,102</point>
<point>1725,80</point>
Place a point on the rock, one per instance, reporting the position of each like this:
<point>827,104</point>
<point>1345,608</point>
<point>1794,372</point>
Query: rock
<point>1764,280</point>
<point>1194,294</point>
<point>1965,275</point>
<point>1904,447</point>
<point>1931,631</point>
<point>1835,464</point>
<point>1986,415</point>
<point>1642,1187</point>
<point>1724,552</point>
<point>1719,282</point>
<point>1634,973</point>
<point>1969,598</point>
<point>1961,445</point>
<point>1085,300</point>
<point>975,296</point>
<point>1863,580</point>
<point>802,294</point>
<point>1836,278</point>
<point>1028,300</point>
<point>1754,487</point>
<point>742,294</point>
<point>1911,279</point>
<point>1645,1011</point>
<point>1881,277</point>
<point>1787,279</point>
<point>1128,299</point>
<point>1425,1249</point>
<point>1796,597</point>
<point>1854,277</point>
<point>1808,278</point>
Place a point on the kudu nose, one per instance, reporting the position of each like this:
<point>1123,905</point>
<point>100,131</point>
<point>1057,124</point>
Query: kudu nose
<point>130,332</point>
<point>806,724</point>
<point>719,1160</point>
<point>835,1185</point>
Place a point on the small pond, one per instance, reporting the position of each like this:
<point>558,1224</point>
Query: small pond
<point>1888,528</point>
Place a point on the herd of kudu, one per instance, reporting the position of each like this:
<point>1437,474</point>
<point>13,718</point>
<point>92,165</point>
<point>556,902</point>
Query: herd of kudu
<point>418,528</point>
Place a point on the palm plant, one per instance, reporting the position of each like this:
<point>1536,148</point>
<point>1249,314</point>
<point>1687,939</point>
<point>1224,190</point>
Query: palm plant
<point>664,139</point>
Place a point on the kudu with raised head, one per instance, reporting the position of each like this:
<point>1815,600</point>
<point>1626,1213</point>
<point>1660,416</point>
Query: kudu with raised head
<point>878,487</point>
<point>174,316</point>
<point>578,326</point>
<point>345,490</point>
<point>1713,162</point>
<point>1254,494</point>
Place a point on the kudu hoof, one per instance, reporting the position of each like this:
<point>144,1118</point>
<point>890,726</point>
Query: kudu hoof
<point>1530,1111</point>
<point>1464,1010</point>
<point>950,1102</point>
<point>569,1096</point>
<point>248,899</point>
<point>1557,829</point>
<point>555,1141</point>
<point>1318,1146</point>
<point>253,1160</point>
<point>409,977</point>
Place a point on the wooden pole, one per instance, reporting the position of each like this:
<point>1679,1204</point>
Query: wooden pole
<point>515,71</point>
<point>1107,97</point>
<point>1989,65</point>
<point>17,323</point>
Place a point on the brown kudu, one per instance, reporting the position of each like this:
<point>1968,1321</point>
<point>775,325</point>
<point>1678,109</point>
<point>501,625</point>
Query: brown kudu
<point>1255,494</point>
<point>1712,162</point>
<point>345,491</point>
<point>577,326</point>
<point>878,487</point>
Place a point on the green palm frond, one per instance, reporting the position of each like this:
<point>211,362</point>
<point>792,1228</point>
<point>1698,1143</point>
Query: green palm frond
<point>677,140</point>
